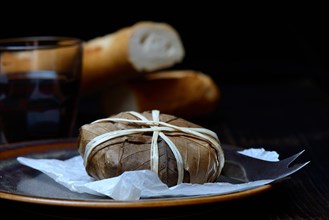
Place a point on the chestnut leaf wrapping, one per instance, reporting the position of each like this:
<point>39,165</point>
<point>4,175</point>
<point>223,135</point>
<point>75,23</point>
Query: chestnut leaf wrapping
<point>176,149</point>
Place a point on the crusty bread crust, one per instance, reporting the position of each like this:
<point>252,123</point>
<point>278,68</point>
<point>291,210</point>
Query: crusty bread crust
<point>129,53</point>
<point>184,93</point>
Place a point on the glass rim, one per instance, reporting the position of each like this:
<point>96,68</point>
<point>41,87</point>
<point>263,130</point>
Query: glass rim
<point>38,42</point>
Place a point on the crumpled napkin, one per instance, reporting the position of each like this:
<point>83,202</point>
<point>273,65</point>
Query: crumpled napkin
<point>134,185</point>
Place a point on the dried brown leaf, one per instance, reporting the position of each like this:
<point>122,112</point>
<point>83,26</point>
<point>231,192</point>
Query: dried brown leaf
<point>202,162</point>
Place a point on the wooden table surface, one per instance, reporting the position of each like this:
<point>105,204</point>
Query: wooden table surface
<point>285,116</point>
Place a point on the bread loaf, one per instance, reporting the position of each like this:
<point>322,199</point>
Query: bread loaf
<point>184,93</point>
<point>129,52</point>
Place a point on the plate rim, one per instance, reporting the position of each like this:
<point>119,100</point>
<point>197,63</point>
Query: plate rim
<point>102,203</point>
<point>142,203</point>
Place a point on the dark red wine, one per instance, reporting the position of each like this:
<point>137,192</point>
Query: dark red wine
<point>37,105</point>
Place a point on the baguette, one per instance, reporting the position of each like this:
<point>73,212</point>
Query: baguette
<point>184,93</point>
<point>129,52</point>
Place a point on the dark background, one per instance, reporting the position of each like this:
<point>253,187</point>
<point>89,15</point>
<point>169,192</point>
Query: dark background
<point>239,41</point>
<point>253,52</point>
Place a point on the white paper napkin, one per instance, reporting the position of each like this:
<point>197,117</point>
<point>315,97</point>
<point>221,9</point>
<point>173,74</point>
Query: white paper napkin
<point>134,185</point>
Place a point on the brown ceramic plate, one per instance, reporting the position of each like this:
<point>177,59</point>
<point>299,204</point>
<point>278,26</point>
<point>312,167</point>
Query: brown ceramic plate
<point>20,183</point>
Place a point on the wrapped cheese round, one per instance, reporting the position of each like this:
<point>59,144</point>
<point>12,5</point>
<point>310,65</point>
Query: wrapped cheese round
<point>176,149</point>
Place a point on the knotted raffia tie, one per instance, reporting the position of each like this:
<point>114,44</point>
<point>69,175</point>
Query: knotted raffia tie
<point>158,128</point>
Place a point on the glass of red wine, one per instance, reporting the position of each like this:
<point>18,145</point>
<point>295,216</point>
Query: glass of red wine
<point>39,87</point>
